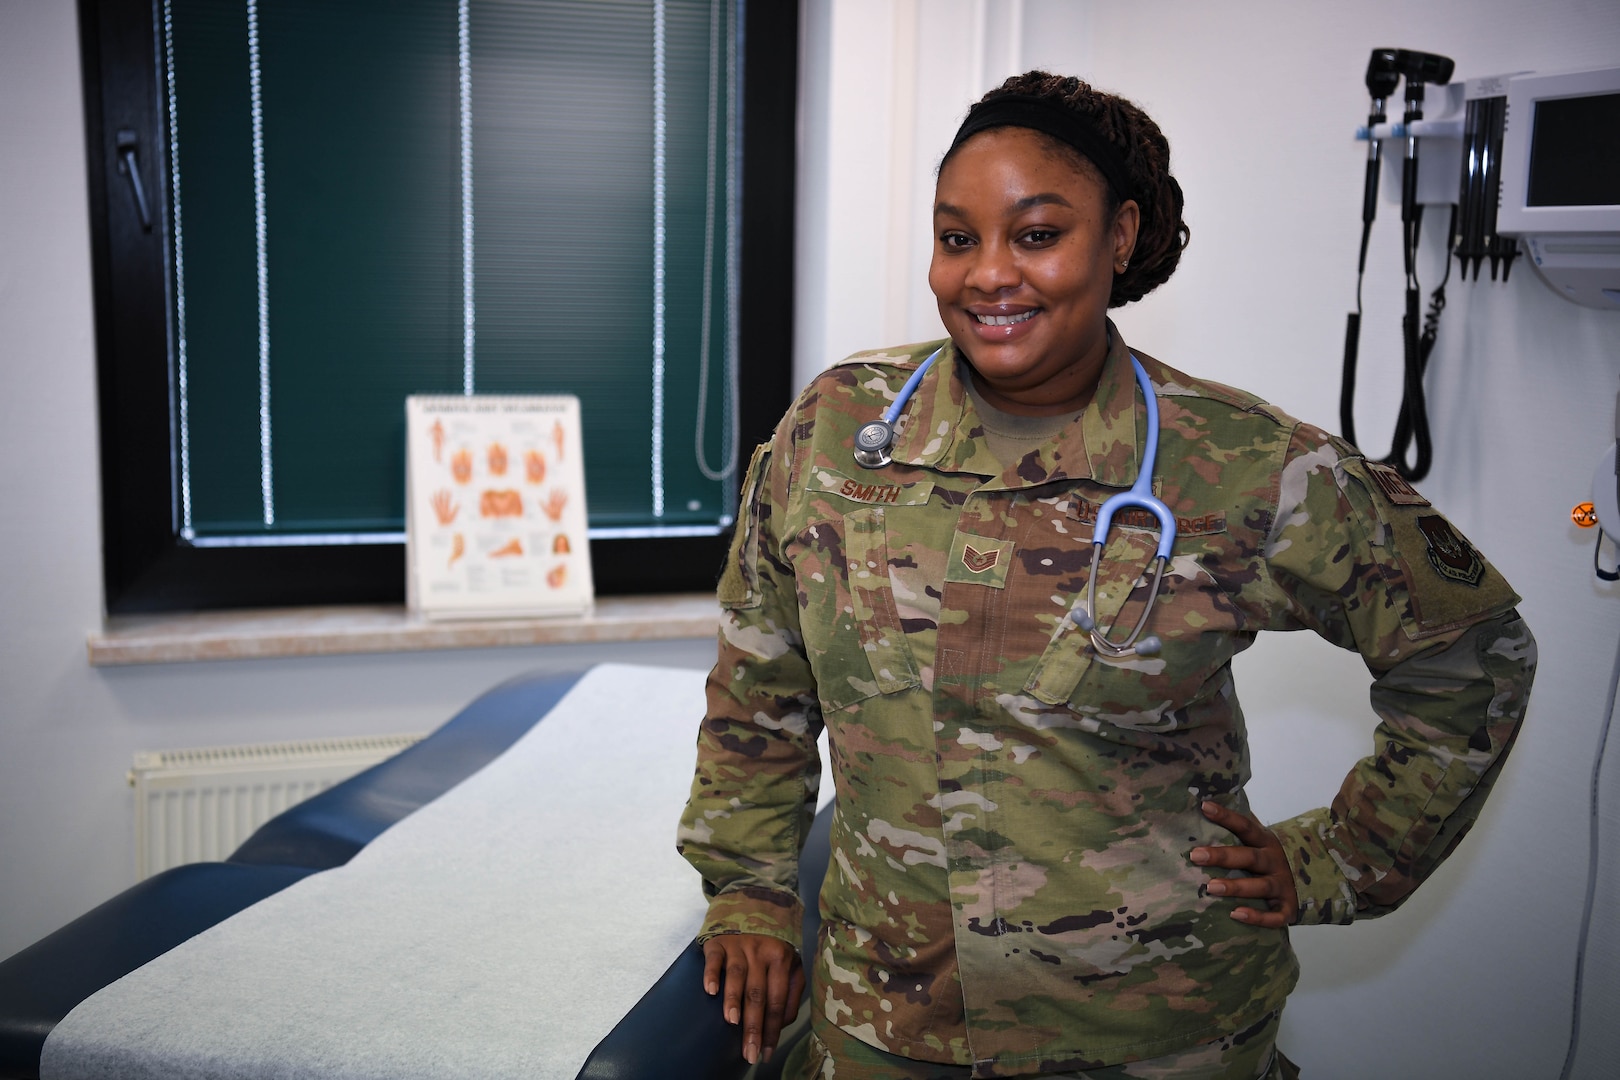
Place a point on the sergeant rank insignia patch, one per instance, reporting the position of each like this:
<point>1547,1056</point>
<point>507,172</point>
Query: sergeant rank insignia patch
<point>979,560</point>
<point>1452,557</point>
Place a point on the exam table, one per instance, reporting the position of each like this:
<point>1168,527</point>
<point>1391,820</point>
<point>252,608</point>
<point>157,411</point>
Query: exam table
<point>675,1030</point>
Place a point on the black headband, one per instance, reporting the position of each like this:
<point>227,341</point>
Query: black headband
<point>1050,118</point>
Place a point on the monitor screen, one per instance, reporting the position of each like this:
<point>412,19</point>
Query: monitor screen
<point>1574,154</point>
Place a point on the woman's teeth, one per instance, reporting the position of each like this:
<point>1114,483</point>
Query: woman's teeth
<point>1004,320</point>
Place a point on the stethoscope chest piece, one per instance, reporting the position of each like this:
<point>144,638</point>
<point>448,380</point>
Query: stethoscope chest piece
<point>872,444</point>
<point>873,438</point>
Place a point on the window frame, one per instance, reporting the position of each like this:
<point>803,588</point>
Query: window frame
<point>147,566</point>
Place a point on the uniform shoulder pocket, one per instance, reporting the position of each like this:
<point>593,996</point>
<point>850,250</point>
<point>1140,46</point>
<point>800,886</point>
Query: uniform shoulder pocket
<point>739,581</point>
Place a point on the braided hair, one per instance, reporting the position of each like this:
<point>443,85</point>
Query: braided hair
<point>1162,235</point>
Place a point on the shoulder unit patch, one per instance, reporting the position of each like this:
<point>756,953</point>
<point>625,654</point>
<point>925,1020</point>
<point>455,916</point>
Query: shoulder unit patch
<point>1451,556</point>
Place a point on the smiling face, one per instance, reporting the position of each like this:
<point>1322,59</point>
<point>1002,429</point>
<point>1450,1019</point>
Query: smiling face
<point>1025,251</point>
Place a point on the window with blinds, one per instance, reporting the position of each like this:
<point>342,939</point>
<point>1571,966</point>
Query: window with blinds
<point>376,198</point>
<point>303,211</point>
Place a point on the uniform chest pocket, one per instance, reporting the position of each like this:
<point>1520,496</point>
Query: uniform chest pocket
<point>851,623</point>
<point>1194,617</point>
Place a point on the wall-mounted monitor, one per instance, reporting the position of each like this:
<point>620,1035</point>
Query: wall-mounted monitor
<point>1561,180</point>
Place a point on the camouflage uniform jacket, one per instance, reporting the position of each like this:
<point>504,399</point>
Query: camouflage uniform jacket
<point>1010,885</point>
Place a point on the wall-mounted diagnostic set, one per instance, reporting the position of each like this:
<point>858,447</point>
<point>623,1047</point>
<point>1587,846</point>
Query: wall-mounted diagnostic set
<point>1527,164</point>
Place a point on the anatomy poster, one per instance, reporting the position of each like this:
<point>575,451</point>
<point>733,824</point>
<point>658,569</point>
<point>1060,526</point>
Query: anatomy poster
<point>495,518</point>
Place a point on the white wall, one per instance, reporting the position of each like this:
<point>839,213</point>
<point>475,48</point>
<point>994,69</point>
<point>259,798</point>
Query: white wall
<point>1473,977</point>
<point>67,731</point>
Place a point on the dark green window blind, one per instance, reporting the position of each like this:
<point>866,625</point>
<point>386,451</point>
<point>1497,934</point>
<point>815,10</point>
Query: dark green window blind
<point>374,198</point>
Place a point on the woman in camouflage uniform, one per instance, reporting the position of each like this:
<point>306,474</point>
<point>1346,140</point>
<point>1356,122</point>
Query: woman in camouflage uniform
<point>1043,860</point>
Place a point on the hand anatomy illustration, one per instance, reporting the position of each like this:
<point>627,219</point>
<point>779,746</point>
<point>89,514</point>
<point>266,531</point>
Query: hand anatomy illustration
<point>520,545</point>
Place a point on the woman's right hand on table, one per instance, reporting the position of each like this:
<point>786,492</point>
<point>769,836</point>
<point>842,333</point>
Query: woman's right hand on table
<point>763,980</point>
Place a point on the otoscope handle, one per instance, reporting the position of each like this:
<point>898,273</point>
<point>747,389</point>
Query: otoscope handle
<point>1369,190</point>
<point>1409,169</point>
<point>1414,113</point>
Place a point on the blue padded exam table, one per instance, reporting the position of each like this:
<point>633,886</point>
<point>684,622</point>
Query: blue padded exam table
<point>675,1030</point>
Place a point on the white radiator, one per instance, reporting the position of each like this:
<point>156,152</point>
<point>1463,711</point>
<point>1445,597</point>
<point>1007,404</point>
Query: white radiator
<point>199,805</point>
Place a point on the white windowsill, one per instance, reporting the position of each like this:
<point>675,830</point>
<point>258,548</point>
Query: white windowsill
<point>337,631</point>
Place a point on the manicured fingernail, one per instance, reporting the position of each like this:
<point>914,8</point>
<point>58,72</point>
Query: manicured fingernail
<point>1218,888</point>
<point>1211,807</point>
<point>733,1015</point>
<point>1242,914</point>
<point>1199,856</point>
<point>710,988</point>
<point>769,1050</point>
<point>751,1054</point>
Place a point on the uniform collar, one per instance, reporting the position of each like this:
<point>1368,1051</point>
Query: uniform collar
<point>1115,423</point>
<point>940,428</point>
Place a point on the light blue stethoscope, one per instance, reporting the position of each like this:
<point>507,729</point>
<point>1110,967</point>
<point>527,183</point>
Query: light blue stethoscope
<point>872,442</point>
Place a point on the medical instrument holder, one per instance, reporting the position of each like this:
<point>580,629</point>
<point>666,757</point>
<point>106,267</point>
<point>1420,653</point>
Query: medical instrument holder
<point>1447,144</point>
<point>1444,176</point>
